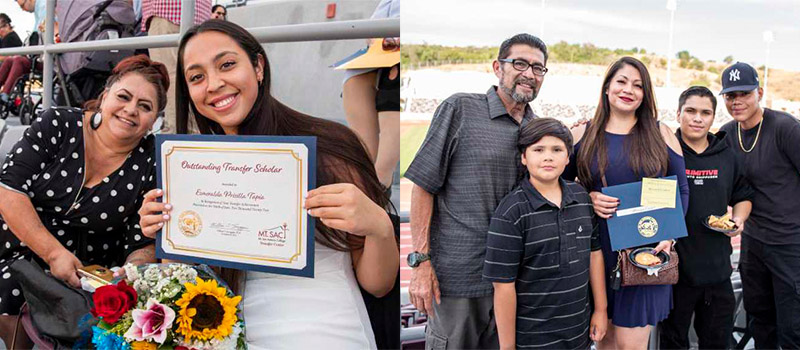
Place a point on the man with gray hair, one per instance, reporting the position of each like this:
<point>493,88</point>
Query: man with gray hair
<point>767,141</point>
<point>466,164</point>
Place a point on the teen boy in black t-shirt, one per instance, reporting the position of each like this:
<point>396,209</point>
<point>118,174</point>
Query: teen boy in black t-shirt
<point>543,251</point>
<point>715,182</point>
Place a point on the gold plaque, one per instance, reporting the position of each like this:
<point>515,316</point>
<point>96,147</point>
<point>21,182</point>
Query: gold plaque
<point>189,223</point>
<point>648,226</point>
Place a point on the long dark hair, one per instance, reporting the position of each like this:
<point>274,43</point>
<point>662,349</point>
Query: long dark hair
<point>645,146</point>
<point>342,156</point>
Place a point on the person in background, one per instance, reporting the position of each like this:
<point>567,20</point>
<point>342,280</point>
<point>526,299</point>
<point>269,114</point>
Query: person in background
<point>37,7</point>
<point>371,100</point>
<point>8,37</point>
<point>15,66</point>
<point>164,17</point>
<point>219,12</point>
<point>767,142</point>
<point>716,181</point>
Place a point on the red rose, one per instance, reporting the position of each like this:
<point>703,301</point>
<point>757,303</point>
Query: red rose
<point>113,301</point>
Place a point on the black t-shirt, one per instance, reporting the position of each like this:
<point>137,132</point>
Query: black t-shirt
<point>773,170</point>
<point>10,40</point>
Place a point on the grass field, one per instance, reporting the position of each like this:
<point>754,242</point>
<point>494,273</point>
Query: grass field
<point>411,137</point>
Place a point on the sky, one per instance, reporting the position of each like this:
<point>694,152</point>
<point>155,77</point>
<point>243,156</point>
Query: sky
<point>708,29</point>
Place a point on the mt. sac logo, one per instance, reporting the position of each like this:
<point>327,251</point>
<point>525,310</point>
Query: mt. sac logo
<point>734,75</point>
<point>274,236</point>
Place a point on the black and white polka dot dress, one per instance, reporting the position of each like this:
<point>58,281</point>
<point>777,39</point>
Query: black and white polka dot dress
<point>100,225</point>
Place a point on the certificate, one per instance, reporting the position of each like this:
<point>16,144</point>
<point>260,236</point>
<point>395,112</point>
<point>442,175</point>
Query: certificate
<point>237,201</point>
<point>659,192</point>
<point>638,222</point>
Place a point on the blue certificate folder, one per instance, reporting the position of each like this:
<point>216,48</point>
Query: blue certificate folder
<point>637,225</point>
<point>311,144</point>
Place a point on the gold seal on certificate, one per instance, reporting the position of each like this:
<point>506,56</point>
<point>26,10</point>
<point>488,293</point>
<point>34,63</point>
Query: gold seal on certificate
<point>189,223</point>
<point>648,226</point>
<point>238,201</point>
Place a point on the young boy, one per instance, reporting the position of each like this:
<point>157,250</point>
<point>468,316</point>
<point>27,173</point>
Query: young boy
<point>716,181</point>
<point>543,249</point>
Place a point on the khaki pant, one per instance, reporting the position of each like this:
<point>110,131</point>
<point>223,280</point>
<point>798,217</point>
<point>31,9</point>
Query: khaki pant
<point>169,57</point>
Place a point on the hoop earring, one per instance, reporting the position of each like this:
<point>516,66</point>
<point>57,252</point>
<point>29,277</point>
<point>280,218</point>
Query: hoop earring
<point>97,119</point>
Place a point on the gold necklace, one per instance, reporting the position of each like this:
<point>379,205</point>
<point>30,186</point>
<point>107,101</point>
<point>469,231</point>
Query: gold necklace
<point>739,128</point>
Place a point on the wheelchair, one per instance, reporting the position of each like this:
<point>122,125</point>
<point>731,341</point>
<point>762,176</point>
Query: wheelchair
<point>25,98</point>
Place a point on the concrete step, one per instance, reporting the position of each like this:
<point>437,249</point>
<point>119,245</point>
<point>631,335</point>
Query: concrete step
<point>8,138</point>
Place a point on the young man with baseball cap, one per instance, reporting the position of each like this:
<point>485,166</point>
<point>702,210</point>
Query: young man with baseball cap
<point>767,142</point>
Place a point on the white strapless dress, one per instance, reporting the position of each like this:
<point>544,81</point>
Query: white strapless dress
<point>326,312</point>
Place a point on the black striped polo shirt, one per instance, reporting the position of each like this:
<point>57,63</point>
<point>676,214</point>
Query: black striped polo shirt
<point>545,250</point>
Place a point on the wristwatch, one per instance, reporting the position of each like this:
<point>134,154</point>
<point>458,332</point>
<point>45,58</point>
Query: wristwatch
<point>416,258</point>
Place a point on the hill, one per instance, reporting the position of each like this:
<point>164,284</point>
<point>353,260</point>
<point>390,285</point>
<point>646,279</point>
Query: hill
<point>587,59</point>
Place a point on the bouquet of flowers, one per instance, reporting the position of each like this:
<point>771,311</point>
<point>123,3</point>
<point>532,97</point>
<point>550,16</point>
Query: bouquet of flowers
<point>167,306</point>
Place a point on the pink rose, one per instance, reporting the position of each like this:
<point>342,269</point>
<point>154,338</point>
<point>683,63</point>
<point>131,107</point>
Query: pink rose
<point>152,323</point>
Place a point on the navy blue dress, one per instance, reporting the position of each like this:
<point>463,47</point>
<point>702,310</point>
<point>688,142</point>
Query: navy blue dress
<point>635,306</point>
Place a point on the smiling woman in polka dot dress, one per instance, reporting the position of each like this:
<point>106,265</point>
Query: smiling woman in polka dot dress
<point>70,188</point>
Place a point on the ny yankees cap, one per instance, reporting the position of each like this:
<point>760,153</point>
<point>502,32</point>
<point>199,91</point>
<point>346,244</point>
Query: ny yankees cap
<point>739,77</point>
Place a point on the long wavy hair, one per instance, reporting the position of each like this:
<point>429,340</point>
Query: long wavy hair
<point>647,151</point>
<point>342,156</point>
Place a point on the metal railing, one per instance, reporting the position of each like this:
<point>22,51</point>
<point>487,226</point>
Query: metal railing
<point>340,30</point>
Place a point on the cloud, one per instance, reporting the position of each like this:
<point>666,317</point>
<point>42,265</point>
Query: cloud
<point>468,22</point>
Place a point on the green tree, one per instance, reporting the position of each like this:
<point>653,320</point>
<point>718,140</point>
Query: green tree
<point>702,80</point>
<point>696,64</point>
<point>728,59</point>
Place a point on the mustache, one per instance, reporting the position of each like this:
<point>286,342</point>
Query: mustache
<point>524,80</point>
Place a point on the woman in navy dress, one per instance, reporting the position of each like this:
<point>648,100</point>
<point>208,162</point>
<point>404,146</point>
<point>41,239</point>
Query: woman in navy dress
<point>71,186</point>
<point>624,143</point>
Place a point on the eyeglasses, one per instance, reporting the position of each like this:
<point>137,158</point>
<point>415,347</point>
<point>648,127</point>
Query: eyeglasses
<point>522,65</point>
<point>736,94</point>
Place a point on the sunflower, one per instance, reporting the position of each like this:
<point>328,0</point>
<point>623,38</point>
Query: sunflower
<point>206,311</point>
<point>143,345</point>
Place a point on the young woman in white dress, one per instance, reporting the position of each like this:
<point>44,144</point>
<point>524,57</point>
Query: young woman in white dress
<point>223,80</point>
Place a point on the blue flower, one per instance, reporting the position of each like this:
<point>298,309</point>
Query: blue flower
<point>105,340</point>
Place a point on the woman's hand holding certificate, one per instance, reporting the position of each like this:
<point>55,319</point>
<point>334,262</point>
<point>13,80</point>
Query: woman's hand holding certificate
<point>153,214</point>
<point>343,207</point>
